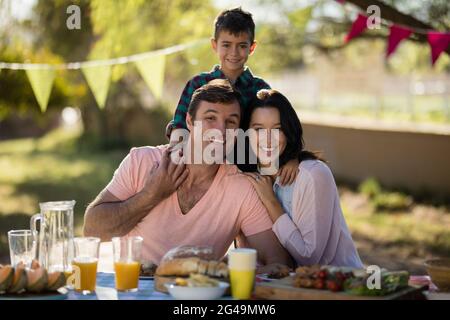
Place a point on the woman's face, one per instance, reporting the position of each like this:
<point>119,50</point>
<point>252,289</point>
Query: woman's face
<point>267,139</point>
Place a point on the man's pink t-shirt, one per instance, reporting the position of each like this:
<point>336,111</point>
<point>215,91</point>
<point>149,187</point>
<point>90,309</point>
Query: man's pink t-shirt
<point>230,206</point>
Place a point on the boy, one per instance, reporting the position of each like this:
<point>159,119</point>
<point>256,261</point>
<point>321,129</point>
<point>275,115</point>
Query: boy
<point>233,42</point>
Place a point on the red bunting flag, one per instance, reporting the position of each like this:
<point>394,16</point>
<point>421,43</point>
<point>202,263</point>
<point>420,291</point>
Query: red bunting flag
<point>396,35</point>
<point>358,26</point>
<point>438,42</point>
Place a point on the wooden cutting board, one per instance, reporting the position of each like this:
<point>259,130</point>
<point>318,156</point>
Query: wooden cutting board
<point>282,289</point>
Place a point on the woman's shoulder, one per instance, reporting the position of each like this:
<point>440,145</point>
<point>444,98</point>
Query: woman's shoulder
<point>313,171</point>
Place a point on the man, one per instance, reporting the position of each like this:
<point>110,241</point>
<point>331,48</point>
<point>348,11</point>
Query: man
<point>171,204</point>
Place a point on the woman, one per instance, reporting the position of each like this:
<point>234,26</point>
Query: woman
<point>307,217</point>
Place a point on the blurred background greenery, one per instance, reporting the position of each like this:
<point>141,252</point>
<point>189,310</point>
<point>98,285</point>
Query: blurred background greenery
<point>72,150</point>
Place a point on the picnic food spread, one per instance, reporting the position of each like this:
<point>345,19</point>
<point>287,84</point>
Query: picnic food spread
<point>193,264</point>
<point>16,280</point>
<point>351,281</point>
<point>343,283</point>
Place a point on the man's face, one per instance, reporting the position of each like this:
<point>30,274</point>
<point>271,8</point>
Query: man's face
<point>233,51</point>
<point>215,119</point>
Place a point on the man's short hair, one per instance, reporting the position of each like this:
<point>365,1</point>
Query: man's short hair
<point>215,91</point>
<point>235,21</point>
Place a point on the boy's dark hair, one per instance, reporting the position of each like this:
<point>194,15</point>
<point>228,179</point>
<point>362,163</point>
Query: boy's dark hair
<point>235,21</point>
<point>215,91</point>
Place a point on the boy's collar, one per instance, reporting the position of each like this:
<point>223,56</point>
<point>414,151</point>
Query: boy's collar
<point>245,77</point>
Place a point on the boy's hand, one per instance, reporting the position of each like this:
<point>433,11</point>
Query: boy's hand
<point>288,172</point>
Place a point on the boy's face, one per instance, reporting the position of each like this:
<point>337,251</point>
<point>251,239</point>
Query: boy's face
<point>233,51</point>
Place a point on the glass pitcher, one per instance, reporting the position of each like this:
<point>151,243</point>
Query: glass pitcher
<point>55,237</point>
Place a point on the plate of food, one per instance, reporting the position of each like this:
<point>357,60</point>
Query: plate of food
<point>271,277</point>
<point>36,283</point>
<point>147,271</point>
<point>183,261</point>
<point>197,287</point>
<point>273,271</point>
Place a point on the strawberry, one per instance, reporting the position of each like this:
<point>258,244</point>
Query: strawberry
<point>323,274</point>
<point>333,285</point>
<point>319,284</point>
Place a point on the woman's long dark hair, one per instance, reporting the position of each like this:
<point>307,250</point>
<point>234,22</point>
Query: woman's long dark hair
<point>290,124</point>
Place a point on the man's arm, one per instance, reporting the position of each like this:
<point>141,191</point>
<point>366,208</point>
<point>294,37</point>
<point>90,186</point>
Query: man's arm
<point>270,251</point>
<point>107,216</point>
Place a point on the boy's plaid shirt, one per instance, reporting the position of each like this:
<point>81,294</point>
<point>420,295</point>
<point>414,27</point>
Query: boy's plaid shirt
<point>247,84</point>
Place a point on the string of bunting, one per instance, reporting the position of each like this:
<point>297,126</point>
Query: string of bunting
<point>438,41</point>
<point>151,66</point>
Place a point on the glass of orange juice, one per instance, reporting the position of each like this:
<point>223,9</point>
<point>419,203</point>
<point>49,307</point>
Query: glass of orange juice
<point>127,262</point>
<point>84,264</point>
<point>242,267</point>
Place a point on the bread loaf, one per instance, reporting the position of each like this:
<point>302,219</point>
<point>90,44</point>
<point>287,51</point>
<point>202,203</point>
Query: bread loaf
<point>202,252</point>
<point>186,266</point>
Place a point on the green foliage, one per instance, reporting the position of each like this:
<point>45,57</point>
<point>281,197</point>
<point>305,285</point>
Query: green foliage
<point>299,18</point>
<point>129,27</point>
<point>370,187</point>
<point>393,201</point>
<point>52,32</point>
<point>384,200</point>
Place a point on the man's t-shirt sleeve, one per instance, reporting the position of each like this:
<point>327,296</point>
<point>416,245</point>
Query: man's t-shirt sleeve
<point>254,216</point>
<point>123,183</point>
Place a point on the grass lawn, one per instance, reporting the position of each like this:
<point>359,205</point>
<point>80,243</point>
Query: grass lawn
<point>47,169</point>
<point>397,240</point>
<point>52,168</point>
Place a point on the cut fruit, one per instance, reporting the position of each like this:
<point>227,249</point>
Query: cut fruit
<point>6,277</point>
<point>37,280</point>
<point>56,280</point>
<point>20,279</point>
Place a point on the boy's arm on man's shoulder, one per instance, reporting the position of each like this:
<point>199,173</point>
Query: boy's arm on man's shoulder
<point>179,117</point>
<point>261,84</point>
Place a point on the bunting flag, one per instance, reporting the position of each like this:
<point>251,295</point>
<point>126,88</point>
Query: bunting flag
<point>438,42</point>
<point>98,79</point>
<point>152,70</point>
<point>41,81</point>
<point>396,35</point>
<point>358,26</point>
<point>151,65</point>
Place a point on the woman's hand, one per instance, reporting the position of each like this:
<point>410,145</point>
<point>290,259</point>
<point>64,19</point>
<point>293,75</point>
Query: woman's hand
<point>264,188</point>
<point>288,172</point>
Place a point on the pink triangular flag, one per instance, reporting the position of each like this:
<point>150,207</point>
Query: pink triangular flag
<point>358,26</point>
<point>438,42</point>
<point>396,35</point>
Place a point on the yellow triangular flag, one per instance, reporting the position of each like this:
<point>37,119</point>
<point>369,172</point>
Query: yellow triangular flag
<point>152,70</point>
<point>41,81</point>
<point>98,79</point>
